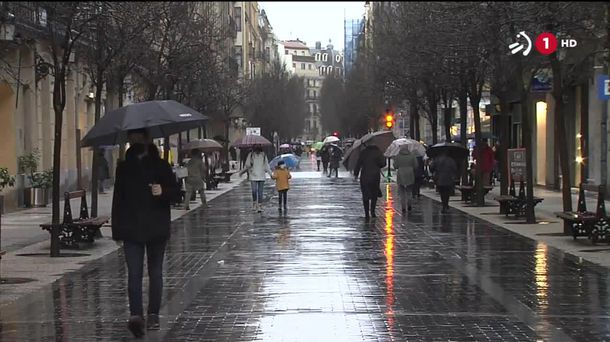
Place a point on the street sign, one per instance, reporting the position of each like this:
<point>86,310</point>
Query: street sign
<point>517,164</point>
<point>253,131</point>
<point>603,87</point>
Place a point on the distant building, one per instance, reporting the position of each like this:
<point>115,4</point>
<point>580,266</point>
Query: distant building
<point>354,35</point>
<point>313,65</point>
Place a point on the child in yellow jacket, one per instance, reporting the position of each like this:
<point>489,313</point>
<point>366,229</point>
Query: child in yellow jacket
<point>282,176</point>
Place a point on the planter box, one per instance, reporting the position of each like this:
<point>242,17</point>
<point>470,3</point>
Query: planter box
<point>36,197</point>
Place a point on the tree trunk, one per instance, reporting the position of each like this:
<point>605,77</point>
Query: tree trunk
<point>503,147</point>
<point>120,83</point>
<point>560,133</point>
<point>414,118</point>
<point>96,161</point>
<point>447,122</point>
<point>475,99</point>
<point>225,147</point>
<point>530,215</point>
<point>59,103</point>
<point>463,103</point>
<point>434,118</point>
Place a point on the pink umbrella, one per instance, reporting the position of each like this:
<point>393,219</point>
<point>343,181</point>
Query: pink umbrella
<point>251,140</point>
<point>284,146</point>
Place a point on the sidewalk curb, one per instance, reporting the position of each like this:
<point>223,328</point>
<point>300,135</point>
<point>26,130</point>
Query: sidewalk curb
<point>580,249</point>
<point>46,270</point>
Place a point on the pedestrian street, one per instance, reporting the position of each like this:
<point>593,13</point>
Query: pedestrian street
<point>319,272</point>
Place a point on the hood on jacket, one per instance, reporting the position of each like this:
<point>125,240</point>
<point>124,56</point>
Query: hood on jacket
<point>404,149</point>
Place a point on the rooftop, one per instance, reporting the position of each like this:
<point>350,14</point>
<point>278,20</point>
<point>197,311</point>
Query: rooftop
<point>295,44</point>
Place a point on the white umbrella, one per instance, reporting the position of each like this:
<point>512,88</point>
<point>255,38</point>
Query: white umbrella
<point>414,146</point>
<point>331,139</point>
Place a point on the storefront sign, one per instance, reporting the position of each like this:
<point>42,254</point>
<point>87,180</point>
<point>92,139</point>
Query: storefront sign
<point>603,87</point>
<point>516,164</point>
<point>253,131</point>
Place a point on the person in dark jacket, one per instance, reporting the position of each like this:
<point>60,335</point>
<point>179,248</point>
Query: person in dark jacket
<point>335,160</point>
<point>419,177</point>
<point>103,171</point>
<point>144,189</point>
<point>445,172</point>
<point>369,165</point>
<point>325,154</point>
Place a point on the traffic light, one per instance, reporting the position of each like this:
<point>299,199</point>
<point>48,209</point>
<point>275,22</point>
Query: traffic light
<point>336,134</point>
<point>389,119</point>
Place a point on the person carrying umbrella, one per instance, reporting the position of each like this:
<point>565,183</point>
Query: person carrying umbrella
<point>335,158</point>
<point>369,165</point>
<point>444,172</point>
<point>405,164</point>
<point>195,180</point>
<point>325,154</point>
<point>144,189</point>
<point>258,166</point>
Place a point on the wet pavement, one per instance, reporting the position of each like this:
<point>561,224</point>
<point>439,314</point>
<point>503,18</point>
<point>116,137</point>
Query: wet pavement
<point>321,273</point>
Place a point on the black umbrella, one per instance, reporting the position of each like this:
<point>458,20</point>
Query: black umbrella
<point>160,118</point>
<point>453,150</point>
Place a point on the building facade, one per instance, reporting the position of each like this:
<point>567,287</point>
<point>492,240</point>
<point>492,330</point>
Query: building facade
<point>313,65</point>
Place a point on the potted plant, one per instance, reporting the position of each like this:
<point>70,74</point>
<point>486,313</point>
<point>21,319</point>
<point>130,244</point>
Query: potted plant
<point>36,192</point>
<point>41,183</point>
<point>6,180</point>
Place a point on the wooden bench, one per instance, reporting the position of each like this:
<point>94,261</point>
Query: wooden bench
<point>516,205</point>
<point>83,229</point>
<point>593,225</point>
<point>469,193</point>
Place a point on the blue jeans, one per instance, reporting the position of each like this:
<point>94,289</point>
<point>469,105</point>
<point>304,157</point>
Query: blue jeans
<point>134,256</point>
<point>257,191</point>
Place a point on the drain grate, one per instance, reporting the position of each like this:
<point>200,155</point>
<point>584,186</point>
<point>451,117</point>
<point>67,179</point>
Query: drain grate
<point>13,281</point>
<point>62,255</point>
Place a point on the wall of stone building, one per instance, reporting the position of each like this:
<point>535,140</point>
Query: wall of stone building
<point>595,133</point>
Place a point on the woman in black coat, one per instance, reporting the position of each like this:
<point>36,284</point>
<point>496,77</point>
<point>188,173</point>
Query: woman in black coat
<point>369,165</point>
<point>144,189</point>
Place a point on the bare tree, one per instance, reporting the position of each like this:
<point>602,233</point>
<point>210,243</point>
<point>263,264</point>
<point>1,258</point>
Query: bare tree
<point>67,22</point>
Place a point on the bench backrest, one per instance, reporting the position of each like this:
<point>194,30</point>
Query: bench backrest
<point>84,212</point>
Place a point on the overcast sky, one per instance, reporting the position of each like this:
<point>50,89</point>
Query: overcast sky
<point>311,21</point>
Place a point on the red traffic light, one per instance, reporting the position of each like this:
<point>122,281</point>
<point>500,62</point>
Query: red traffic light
<point>336,134</point>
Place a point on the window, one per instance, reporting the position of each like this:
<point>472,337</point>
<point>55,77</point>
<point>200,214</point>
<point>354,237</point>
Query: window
<point>285,52</point>
<point>315,95</point>
<point>238,19</point>
<point>294,65</point>
<point>315,124</point>
<point>318,57</point>
<point>315,106</point>
<point>302,66</point>
<point>302,52</point>
<point>310,66</point>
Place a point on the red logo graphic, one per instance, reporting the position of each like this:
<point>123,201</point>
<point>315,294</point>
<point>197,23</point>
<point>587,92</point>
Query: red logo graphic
<point>546,43</point>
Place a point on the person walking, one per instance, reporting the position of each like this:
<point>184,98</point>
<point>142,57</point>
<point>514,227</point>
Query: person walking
<point>144,190</point>
<point>420,175</point>
<point>257,165</point>
<point>405,163</point>
<point>445,172</point>
<point>335,159</point>
<point>282,183</point>
<point>369,165</point>
<point>103,171</point>
<point>195,179</point>
<point>318,159</point>
<point>325,158</point>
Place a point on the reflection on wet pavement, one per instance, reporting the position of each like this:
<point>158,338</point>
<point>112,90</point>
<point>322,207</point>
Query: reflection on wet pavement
<point>320,273</point>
